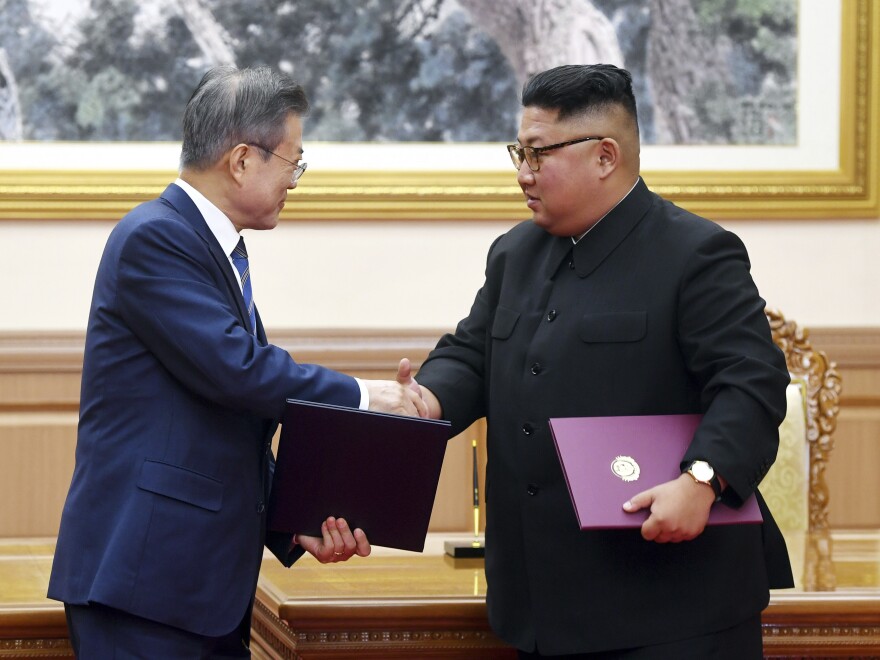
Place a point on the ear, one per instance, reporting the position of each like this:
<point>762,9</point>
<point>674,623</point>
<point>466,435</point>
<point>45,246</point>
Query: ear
<point>240,160</point>
<point>609,155</point>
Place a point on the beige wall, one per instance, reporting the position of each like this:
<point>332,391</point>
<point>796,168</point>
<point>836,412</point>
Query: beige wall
<point>424,274</point>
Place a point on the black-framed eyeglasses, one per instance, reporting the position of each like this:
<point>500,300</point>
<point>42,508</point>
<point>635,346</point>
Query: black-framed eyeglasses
<point>298,168</point>
<point>532,155</point>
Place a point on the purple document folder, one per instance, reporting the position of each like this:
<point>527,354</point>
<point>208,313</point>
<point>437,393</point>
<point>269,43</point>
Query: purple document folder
<point>378,471</point>
<point>607,460</point>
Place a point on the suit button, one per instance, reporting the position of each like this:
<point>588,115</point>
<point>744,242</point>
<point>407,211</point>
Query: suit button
<point>527,428</point>
<point>537,368</point>
<point>261,507</point>
<point>571,265</point>
<point>551,315</point>
<point>532,490</point>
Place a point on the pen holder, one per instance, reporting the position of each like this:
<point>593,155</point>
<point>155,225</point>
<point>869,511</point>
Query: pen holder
<point>475,549</point>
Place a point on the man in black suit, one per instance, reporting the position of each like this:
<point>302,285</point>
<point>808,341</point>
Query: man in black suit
<point>613,301</point>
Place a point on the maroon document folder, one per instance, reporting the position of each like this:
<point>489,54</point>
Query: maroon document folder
<point>607,460</point>
<point>378,471</point>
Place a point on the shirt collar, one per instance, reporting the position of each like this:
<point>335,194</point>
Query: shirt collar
<point>220,225</point>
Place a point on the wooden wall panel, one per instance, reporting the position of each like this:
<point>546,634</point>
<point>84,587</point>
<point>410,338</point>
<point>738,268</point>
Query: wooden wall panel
<point>39,390</point>
<point>36,463</point>
<point>852,473</point>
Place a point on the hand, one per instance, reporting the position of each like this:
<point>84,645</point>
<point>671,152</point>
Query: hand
<point>679,509</point>
<point>337,542</point>
<point>405,378</point>
<point>403,397</point>
<point>435,410</point>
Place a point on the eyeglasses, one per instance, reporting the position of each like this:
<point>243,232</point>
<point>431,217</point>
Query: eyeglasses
<point>531,155</point>
<point>299,168</point>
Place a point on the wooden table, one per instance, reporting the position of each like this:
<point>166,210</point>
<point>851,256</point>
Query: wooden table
<point>31,625</point>
<point>391,605</point>
<point>406,605</point>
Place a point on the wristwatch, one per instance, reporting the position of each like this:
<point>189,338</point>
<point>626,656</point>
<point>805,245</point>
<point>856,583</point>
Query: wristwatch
<point>703,473</point>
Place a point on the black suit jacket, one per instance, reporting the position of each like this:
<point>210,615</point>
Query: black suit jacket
<point>653,312</point>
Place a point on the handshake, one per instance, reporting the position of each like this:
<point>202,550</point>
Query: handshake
<point>403,396</point>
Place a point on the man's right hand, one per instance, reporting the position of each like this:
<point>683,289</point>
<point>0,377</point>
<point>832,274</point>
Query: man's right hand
<point>405,378</point>
<point>398,397</point>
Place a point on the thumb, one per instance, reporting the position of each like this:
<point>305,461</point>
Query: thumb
<point>643,500</point>
<point>404,372</point>
<point>308,543</point>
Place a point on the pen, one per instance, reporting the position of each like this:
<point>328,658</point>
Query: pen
<point>476,494</point>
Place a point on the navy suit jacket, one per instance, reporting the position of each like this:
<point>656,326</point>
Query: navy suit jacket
<point>652,312</point>
<point>165,517</point>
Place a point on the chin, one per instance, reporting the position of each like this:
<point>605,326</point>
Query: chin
<point>557,226</point>
<point>263,225</point>
<point>544,223</point>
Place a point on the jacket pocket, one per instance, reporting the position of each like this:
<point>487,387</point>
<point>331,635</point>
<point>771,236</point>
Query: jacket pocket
<point>181,484</point>
<point>613,327</point>
<point>505,321</point>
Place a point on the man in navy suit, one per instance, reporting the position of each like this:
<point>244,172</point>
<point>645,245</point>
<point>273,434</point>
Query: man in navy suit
<point>164,525</point>
<point>613,301</point>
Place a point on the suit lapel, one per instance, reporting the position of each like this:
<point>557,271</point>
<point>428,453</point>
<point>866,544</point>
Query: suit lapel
<point>181,202</point>
<point>261,332</point>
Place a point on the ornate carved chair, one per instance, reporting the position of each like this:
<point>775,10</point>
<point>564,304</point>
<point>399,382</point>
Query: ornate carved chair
<point>795,487</point>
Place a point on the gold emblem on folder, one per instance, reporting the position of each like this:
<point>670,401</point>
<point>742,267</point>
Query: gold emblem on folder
<point>626,468</point>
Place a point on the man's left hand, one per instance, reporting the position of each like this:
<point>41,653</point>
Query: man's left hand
<point>679,509</point>
<point>336,543</point>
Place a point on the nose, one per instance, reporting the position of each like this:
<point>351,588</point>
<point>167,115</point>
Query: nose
<point>524,174</point>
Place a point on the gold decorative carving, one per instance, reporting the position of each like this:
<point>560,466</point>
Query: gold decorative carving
<point>823,385</point>
<point>365,639</point>
<point>837,637</point>
<point>274,635</point>
<point>35,648</point>
<point>270,631</point>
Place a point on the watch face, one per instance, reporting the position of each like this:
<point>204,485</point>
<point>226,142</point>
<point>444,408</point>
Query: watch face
<point>702,471</point>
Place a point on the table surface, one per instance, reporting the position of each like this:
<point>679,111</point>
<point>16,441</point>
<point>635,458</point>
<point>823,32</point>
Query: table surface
<point>407,577</point>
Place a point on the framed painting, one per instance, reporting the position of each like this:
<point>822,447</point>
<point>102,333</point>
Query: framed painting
<point>832,171</point>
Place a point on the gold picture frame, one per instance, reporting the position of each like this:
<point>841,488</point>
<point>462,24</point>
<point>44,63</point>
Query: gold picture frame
<point>411,190</point>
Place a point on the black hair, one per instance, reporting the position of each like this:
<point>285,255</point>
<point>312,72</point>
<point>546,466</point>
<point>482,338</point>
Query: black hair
<point>575,89</point>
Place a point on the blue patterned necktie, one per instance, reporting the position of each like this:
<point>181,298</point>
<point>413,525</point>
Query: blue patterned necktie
<point>240,260</point>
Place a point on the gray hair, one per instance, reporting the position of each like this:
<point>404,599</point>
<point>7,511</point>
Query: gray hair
<point>231,106</point>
